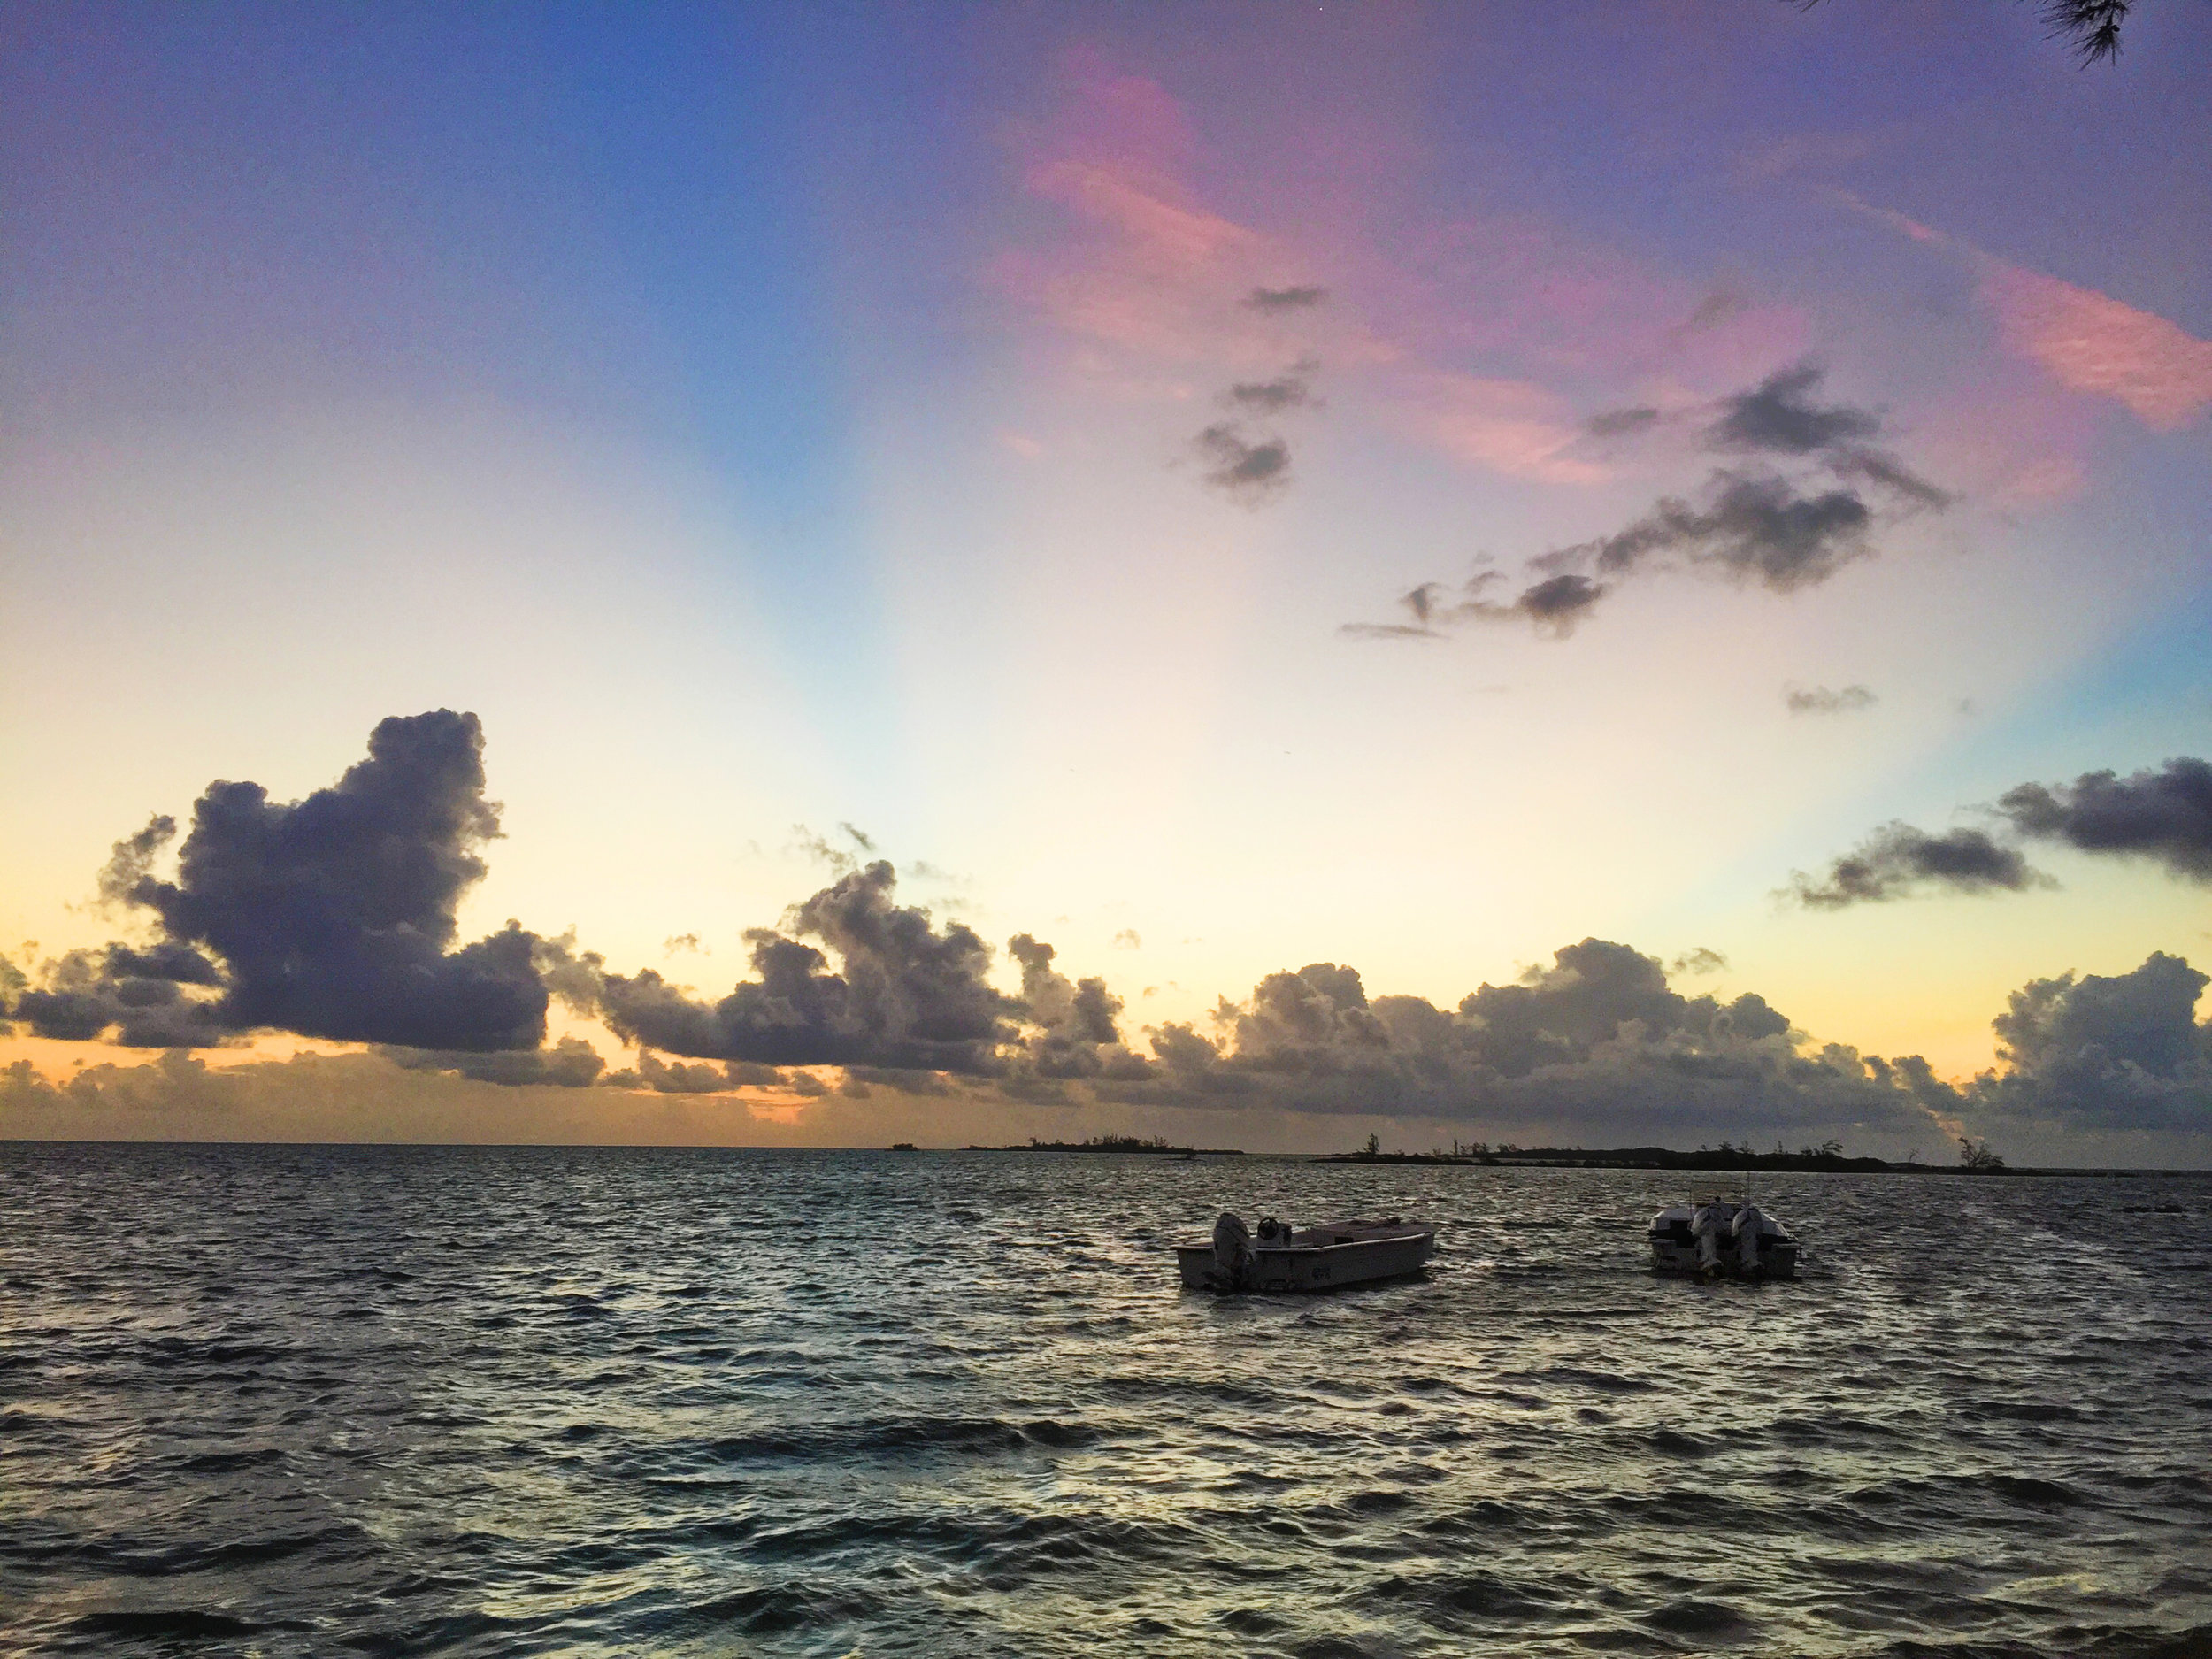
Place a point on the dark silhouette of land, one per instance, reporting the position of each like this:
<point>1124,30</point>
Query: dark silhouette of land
<point>1827,1158</point>
<point>1157,1146</point>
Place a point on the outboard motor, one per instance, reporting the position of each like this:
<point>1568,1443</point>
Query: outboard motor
<point>1710,1224</point>
<point>1749,1225</point>
<point>1232,1253</point>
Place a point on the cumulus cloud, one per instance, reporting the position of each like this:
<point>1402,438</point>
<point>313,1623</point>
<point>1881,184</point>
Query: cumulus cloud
<point>1285,299</point>
<point>2094,1055</point>
<point>1751,524</point>
<point>1897,860</point>
<point>1076,1029</point>
<point>1599,1042</point>
<point>330,917</point>
<point>2161,813</point>
<point>1698,959</point>
<point>1821,700</point>
<point>906,994</point>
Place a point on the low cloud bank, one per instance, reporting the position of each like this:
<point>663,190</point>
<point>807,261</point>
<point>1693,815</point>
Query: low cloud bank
<point>2162,814</point>
<point>334,918</point>
<point>1598,1043</point>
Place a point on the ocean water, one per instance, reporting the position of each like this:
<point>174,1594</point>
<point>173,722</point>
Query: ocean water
<point>270,1401</point>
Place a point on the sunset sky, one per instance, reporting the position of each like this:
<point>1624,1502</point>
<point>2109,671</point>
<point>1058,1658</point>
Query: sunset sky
<point>1214,489</point>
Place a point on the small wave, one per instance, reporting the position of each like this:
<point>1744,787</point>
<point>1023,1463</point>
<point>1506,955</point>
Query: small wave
<point>1706,1621</point>
<point>782,1606</point>
<point>154,1623</point>
<point>1675,1443</point>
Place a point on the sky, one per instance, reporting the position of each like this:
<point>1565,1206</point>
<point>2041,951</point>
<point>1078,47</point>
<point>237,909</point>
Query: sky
<point>1634,575</point>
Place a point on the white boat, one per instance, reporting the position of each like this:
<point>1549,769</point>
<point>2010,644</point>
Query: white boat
<point>1283,1257</point>
<point>1721,1239</point>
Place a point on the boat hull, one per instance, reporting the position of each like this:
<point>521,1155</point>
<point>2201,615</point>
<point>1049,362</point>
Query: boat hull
<point>1304,1268</point>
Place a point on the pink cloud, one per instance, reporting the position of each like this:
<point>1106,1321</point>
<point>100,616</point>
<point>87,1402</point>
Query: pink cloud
<point>2091,343</point>
<point>1474,337</point>
<point>1511,426</point>
<point>2086,341</point>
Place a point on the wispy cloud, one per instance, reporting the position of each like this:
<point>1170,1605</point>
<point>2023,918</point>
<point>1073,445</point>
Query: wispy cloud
<point>1821,700</point>
<point>2086,341</point>
<point>1287,299</point>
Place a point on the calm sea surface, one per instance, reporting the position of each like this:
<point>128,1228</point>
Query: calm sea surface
<point>314,1401</point>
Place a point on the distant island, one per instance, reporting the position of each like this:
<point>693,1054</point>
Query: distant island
<point>1157,1146</point>
<point>1974,1159</point>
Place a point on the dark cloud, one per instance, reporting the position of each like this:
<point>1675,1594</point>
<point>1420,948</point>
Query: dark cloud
<point>1255,467</point>
<point>932,1083</point>
<point>331,917</point>
<point>1253,470</point>
<point>1820,699</point>
<point>571,1062</point>
<point>1620,423</point>
<point>1599,1038</point>
<point>1782,531</point>
<point>906,996</point>
<point>1888,472</point>
<point>1778,416</point>
<point>2162,813</point>
<point>1553,605</point>
<point>13,982</point>
<point>1698,959</point>
<point>2165,814</point>
<point>1272,397</point>
<point>133,859</point>
<point>680,1077</point>
<point>1076,1024</point>
<point>2095,1053</point>
<point>1897,860</point>
<point>675,942</point>
<point>1289,299</point>
<point>1557,603</point>
<point>1753,527</point>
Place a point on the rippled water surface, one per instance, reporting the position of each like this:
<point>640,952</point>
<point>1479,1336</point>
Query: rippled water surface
<point>294,1401</point>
